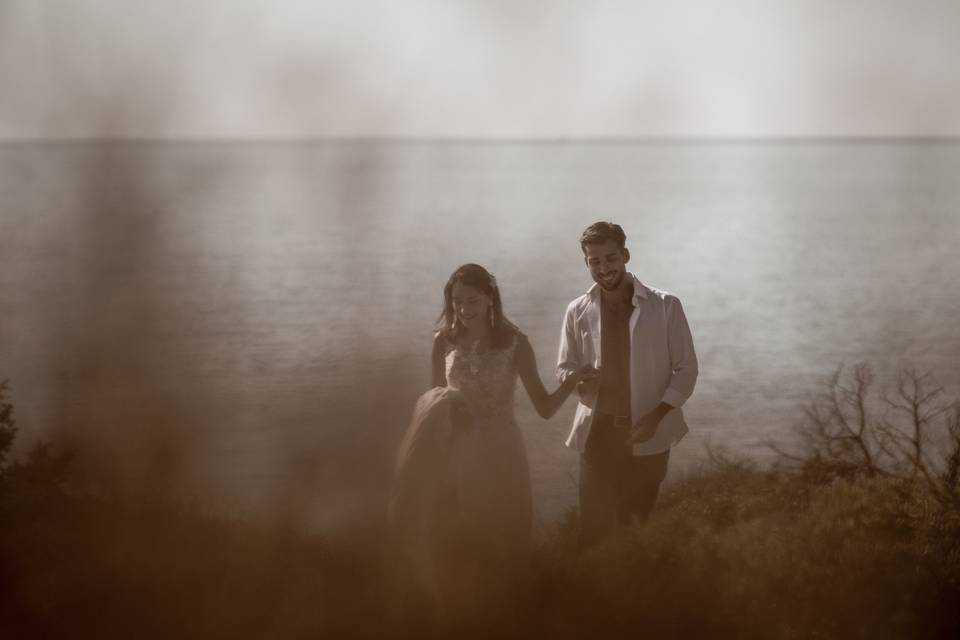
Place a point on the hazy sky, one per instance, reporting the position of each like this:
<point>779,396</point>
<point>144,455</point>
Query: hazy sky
<point>295,68</point>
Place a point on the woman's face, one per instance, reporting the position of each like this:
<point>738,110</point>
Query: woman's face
<point>471,306</point>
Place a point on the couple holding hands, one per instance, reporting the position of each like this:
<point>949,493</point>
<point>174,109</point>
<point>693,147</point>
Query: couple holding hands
<point>461,506</point>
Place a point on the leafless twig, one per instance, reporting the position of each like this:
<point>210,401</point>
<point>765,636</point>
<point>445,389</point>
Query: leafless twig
<point>844,433</point>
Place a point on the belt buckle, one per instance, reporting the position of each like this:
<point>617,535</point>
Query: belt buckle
<point>621,422</point>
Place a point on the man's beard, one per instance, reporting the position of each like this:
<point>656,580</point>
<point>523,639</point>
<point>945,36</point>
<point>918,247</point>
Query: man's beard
<point>610,287</point>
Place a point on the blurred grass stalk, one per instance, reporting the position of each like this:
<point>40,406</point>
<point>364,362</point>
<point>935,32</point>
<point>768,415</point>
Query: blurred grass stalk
<point>855,534</point>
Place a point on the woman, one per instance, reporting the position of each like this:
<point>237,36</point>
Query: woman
<point>461,502</point>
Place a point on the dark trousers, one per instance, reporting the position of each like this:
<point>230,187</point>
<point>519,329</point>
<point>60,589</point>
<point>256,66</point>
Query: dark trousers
<point>616,487</point>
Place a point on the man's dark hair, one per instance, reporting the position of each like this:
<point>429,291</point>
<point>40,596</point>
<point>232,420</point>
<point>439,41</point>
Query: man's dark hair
<point>600,232</point>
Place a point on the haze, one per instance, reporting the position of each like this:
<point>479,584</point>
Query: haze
<point>297,69</point>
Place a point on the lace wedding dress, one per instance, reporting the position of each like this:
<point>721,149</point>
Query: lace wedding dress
<point>461,507</point>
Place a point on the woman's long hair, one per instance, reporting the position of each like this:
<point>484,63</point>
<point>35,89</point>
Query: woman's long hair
<point>473,275</point>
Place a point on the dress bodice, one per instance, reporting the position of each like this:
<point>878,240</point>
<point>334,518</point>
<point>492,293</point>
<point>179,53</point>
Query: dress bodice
<point>487,380</point>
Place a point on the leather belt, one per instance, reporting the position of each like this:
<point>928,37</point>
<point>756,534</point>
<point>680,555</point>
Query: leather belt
<point>618,422</point>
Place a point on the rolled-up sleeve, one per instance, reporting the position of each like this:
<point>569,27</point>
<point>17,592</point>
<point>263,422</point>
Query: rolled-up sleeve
<point>568,358</point>
<point>683,358</point>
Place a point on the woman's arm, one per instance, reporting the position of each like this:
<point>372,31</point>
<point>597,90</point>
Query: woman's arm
<point>438,359</point>
<point>544,402</point>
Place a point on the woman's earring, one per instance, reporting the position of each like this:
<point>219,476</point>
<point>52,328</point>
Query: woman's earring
<point>490,314</point>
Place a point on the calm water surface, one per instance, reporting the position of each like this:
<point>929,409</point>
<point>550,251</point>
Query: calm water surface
<point>253,321</point>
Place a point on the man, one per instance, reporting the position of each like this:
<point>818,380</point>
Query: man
<point>627,420</point>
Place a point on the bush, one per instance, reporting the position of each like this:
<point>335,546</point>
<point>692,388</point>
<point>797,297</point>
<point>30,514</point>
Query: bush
<point>767,554</point>
<point>911,432</point>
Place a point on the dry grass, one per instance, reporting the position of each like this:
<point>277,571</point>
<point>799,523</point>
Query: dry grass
<point>732,552</point>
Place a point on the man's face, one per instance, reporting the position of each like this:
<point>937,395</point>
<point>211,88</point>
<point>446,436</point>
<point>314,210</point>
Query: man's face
<point>607,263</point>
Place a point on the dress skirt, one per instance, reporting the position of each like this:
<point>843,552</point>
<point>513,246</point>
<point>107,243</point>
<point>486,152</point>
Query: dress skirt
<point>460,510</point>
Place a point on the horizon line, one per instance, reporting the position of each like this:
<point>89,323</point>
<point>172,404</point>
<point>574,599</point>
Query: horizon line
<point>475,139</point>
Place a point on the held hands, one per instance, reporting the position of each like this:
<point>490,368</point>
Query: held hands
<point>586,373</point>
<point>588,380</point>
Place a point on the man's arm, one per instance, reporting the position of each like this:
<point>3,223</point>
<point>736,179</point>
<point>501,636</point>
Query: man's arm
<point>683,364</point>
<point>683,358</point>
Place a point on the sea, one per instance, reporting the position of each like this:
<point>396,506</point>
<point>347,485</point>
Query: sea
<point>249,323</point>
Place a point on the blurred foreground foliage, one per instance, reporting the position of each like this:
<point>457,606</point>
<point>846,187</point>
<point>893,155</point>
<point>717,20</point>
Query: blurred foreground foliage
<point>835,541</point>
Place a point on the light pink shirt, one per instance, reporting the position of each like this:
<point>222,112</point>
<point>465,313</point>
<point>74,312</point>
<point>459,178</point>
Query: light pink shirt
<point>663,363</point>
